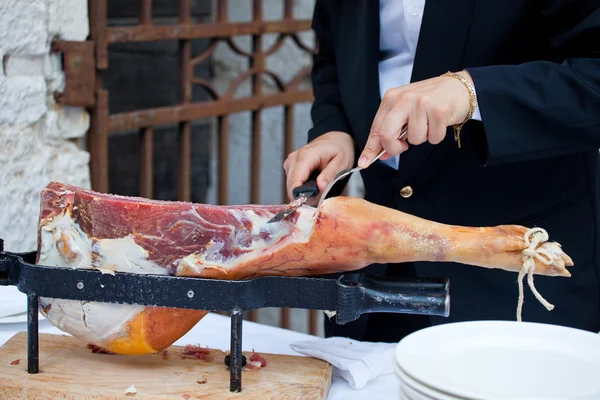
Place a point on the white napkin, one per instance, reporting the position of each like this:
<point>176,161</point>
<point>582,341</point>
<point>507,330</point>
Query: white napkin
<point>12,301</point>
<point>354,361</point>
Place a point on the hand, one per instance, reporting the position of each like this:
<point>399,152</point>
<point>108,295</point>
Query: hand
<point>330,153</point>
<point>428,107</point>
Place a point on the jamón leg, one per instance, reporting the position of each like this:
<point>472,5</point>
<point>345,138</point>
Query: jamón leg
<point>392,236</point>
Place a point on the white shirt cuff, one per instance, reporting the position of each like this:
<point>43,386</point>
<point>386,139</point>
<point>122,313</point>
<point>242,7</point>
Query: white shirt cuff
<point>476,114</point>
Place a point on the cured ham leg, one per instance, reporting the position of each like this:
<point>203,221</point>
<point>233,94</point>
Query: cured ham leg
<point>80,228</point>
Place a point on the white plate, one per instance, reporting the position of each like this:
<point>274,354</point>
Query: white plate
<point>504,360</point>
<point>19,318</point>
<point>417,391</point>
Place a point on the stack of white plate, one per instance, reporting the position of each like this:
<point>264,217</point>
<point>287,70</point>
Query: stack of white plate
<point>489,360</point>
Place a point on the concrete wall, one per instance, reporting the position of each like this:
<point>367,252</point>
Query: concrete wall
<point>38,139</point>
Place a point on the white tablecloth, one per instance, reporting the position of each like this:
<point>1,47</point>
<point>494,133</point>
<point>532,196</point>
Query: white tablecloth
<point>213,331</point>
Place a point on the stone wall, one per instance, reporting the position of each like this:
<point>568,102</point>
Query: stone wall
<point>39,140</point>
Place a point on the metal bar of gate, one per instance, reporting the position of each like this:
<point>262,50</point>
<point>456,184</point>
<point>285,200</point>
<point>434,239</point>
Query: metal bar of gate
<point>223,129</point>
<point>99,118</point>
<point>146,134</point>
<point>257,63</point>
<point>146,13</point>
<point>222,135</point>
<point>185,126</point>
<point>143,33</point>
<point>185,112</point>
<point>146,163</point>
<point>288,147</point>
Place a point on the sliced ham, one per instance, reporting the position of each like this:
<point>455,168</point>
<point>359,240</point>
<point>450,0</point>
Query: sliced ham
<point>255,357</point>
<point>197,352</point>
<point>80,228</point>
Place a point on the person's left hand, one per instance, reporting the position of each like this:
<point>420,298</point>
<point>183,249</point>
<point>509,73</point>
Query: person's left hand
<point>427,107</point>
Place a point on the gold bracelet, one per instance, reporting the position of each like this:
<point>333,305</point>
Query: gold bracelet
<point>472,105</point>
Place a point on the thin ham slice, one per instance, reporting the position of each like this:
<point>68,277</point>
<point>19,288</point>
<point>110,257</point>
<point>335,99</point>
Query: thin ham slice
<point>197,352</point>
<point>255,357</point>
<point>80,228</point>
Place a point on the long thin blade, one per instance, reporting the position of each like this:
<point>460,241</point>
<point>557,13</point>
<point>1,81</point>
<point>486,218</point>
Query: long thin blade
<point>280,216</point>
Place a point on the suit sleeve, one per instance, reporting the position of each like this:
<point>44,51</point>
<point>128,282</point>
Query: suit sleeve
<point>326,112</point>
<point>544,108</point>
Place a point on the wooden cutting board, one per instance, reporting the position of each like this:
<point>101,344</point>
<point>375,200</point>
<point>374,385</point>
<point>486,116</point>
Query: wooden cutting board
<point>68,370</point>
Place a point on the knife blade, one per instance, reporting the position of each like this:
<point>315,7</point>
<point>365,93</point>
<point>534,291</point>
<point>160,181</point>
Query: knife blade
<point>301,194</point>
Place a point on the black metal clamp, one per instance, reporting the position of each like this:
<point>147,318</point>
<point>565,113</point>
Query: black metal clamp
<point>348,298</point>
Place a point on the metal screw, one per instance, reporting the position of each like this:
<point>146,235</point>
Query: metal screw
<point>190,294</point>
<point>79,285</point>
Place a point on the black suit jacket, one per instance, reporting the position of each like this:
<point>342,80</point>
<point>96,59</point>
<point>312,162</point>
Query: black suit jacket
<point>533,160</point>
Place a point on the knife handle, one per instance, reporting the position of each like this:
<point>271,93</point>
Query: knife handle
<point>309,187</point>
<point>372,294</point>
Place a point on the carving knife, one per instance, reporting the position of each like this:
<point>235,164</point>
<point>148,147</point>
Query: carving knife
<point>301,193</point>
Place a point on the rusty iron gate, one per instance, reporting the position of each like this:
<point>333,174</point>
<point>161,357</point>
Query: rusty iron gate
<point>84,63</point>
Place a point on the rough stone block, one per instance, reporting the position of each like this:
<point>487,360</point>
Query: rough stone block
<point>66,122</point>
<point>69,164</point>
<point>68,19</point>
<point>54,74</point>
<point>17,143</point>
<point>24,178</point>
<point>22,99</point>
<point>24,65</point>
<point>23,27</point>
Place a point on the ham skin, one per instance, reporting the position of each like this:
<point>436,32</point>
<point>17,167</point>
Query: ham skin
<point>80,228</point>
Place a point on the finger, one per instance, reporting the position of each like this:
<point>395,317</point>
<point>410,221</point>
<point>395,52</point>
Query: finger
<point>387,103</point>
<point>305,163</point>
<point>372,148</point>
<point>417,126</point>
<point>289,182</point>
<point>373,145</point>
<point>288,161</point>
<point>392,127</point>
<point>329,171</point>
<point>300,170</point>
<point>436,127</point>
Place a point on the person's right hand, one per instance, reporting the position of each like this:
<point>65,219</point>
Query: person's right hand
<point>330,153</point>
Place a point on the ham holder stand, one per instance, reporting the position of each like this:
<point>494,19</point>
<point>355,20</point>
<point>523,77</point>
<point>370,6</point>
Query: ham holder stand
<point>348,295</point>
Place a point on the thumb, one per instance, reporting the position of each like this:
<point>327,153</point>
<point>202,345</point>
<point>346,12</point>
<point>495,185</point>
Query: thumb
<point>299,173</point>
<point>372,148</point>
<point>328,173</point>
